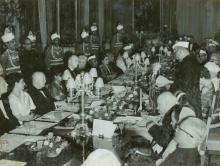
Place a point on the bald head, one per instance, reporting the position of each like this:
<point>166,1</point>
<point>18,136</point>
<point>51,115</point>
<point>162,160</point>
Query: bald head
<point>73,62</point>
<point>82,61</point>
<point>38,80</point>
<point>101,157</point>
<point>165,102</point>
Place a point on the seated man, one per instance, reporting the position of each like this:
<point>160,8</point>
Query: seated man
<point>7,120</point>
<point>101,157</point>
<point>41,98</point>
<point>183,149</point>
<point>171,113</point>
<point>82,64</point>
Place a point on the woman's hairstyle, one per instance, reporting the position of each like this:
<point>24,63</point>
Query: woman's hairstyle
<point>56,70</point>
<point>12,79</point>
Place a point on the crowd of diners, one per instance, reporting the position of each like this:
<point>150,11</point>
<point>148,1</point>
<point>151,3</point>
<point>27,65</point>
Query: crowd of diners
<point>32,81</point>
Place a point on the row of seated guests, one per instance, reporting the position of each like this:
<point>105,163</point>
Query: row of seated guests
<point>19,104</point>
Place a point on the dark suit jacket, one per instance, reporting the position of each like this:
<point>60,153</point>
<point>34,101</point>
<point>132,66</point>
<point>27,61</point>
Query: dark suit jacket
<point>7,124</point>
<point>43,104</point>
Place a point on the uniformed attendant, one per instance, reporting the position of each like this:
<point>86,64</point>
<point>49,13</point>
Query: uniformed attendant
<point>84,47</point>
<point>94,39</point>
<point>10,58</point>
<point>54,53</point>
<point>117,40</point>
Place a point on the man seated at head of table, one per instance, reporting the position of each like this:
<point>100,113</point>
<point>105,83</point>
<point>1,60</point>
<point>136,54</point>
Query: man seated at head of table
<point>20,101</point>
<point>162,133</point>
<point>185,148</point>
<point>7,119</point>
<point>39,94</point>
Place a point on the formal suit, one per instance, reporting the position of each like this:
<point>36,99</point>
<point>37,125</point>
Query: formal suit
<point>107,72</point>
<point>42,100</point>
<point>7,124</point>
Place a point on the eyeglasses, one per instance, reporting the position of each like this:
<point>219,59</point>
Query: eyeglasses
<point>178,127</point>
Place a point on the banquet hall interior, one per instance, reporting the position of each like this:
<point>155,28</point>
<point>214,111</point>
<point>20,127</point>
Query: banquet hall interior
<point>110,82</point>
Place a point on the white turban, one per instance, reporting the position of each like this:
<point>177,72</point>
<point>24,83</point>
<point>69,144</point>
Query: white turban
<point>84,34</point>
<point>31,36</point>
<point>128,47</point>
<point>55,36</point>
<point>119,27</point>
<point>91,57</point>
<point>8,36</point>
<point>181,44</point>
<point>93,28</point>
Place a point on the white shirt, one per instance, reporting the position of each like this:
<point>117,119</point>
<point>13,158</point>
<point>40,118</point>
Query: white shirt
<point>121,64</point>
<point>21,106</point>
<point>216,83</point>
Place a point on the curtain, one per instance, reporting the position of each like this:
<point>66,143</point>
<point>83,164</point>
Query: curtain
<point>86,12</point>
<point>200,18</point>
<point>43,22</point>
<point>101,18</point>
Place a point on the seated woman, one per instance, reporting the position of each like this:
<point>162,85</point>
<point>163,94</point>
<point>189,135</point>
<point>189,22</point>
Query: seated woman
<point>7,120</point>
<point>107,72</point>
<point>20,101</point>
<point>56,88</point>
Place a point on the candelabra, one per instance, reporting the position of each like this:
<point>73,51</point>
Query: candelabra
<point>83,85</point>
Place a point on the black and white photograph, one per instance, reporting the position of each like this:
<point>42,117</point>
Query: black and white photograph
<point>109,82</point>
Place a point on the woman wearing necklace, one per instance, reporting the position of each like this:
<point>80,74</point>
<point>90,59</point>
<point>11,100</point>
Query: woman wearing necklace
<point>20,101</point>
<point>54,53</point>
<point>10,58</point>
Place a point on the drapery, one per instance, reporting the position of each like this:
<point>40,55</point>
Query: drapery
<point>101,18</point>
<point>200,18</point>
<point>43,22</point>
